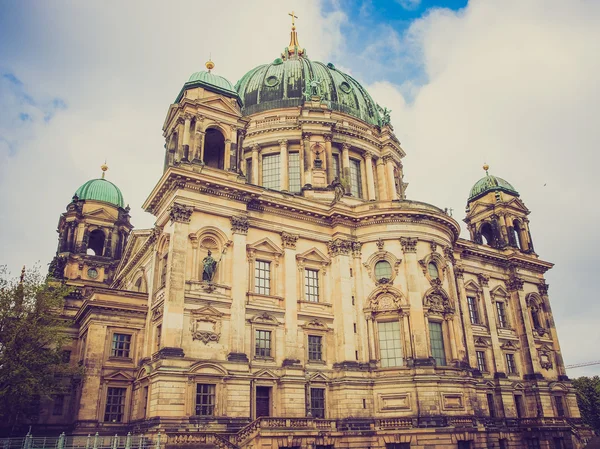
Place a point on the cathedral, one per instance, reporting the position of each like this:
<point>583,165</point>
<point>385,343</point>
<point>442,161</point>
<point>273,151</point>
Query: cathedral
<point>291,295</point>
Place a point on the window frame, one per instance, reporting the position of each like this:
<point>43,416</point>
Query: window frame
<point>212,394</point>
<point>510,359</point>
<point>473,309</point>
<point>255,341</point>
<point>502,319</point>
<point>123,404</point>
<point>114,351</point>
<point>481,361</point>
<point>355,190</point>
<point>400,340</point>
<point>323,401</point>
<point>58,406</point>
<point>291,169</point>
<point>442,339</point>
<point>306,286</point>
<point>321,358</point>
<point>267,289</point>
<point>556,399</point>
<point>275,174</point>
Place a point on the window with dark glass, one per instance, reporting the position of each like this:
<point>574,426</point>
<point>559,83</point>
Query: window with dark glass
<point>501,309</point>
<point>115,405</point>
<point>532,443</point>
<point>390,344</point>
<point>315,347</point>
<point>158,336</point>
<point>249,170</point>
<point>473,312</point>
<point>145,395</point>
<point>464,445</point>
<point>559,443</point>
<point>519,406</point>
<point>121,344</point>
<point>511,366</point>
<point>317,402</point>
<point>383,270</point>
<point>205,399</point>
<point>355,179</point>
<point>433,270</point>
<point>535,318</point>
<point>503,443</point>
<point>311,285</point>
<point>58,405</point>
<point>437,343</point>
<point>491,405</point>
<point>163,271</point>
<point>397,445</point>
<point>263,343</point>
<point>560,406</point>
<point>336,166</point>
<point>262,277</point>
<point>481,365</point>
<point>294,172</point>
<point>270,171</point>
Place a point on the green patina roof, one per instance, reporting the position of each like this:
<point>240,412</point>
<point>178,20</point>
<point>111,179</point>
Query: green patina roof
<point>209,81</point>
<point>490,183</point>
<point>101,190</point>
<point>284,84</point>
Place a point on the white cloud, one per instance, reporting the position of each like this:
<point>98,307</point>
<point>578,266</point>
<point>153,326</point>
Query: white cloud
<point>409,4</point>
<point>514,83</point>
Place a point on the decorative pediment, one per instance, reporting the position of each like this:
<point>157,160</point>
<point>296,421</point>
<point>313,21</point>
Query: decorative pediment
<point>207,369</point>
<point>265,318</point>
<point>218,102</point>
<point>518,386</point>
<point>265,245</point>
<point>516,204</point>
<point>490,384</point>
<point>510,345</point>
<point>558,386</point>
<point>313,255</point>
<point>316,324</point>
<point>266,374</point>
<point>319,377</point>
<point>499,291</point>
<point>101,214</point>
<point>473,286</point>
<point>118,376</point>
<point>437,302</point>
<point>385,298</point>
<point>481,342</point>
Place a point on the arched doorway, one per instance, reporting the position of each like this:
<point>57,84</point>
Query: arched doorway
<point>214,149</point>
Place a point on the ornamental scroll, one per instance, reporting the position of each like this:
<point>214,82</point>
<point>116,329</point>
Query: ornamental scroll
<point>206,325</point>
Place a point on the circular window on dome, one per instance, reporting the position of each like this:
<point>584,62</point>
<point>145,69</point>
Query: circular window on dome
<point>92,273</point>
<point>346,87</point>
<point>272,81</point>
<point>383,271</point>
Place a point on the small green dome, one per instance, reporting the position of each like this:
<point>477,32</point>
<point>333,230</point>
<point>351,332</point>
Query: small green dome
<point>286,84</point>
<point>490,183</point>
<point>209,81</point>
<point>101,190</point>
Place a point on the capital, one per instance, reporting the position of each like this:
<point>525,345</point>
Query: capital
<point>283,142</point>
<point>306,136</point>
<point>239,224</point>
<point>484,279</point>
<point>180,213</point>
<point>256,148</point>
<point>514,284</point>
<point>187,116</point>
<point>328,137</point>
<point>409,244</point>
<point>369,154</point>
<point>346,146</point>
<point>289,240</point>
<point>337,247</point>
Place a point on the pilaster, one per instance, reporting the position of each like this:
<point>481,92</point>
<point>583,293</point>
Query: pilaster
<point>381,181</point>
<point>329,159</point>
<point>290,293</point>
<point>307,159</point>
<point>239,229</point>
<point>284,171</point>
<point>490,308</point>
<point>369,173</point>
<point>391,184</point>
<point>346,166</point>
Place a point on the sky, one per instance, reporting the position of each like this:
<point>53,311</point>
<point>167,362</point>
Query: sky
<point>512,83</point>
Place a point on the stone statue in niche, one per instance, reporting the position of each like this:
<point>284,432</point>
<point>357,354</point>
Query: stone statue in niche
<point>210,266</point>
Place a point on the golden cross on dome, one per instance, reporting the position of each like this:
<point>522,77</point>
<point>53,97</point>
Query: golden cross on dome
<point>293,17</point>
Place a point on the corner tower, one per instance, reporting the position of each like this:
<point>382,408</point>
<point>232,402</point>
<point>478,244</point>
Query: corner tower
<point>496,216</point>
<point>92,233</point>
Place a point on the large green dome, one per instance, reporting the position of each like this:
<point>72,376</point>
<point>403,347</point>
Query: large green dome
<point>490,183</point>
<point>286,83</point>
<point>101,190</point>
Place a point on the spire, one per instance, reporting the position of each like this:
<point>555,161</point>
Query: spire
<point>103,167</point>
<point>294,48</point>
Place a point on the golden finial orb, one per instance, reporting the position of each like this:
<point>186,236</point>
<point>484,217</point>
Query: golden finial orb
<point>103,167</point>
<point>486,167</point>
<point>210,65</point>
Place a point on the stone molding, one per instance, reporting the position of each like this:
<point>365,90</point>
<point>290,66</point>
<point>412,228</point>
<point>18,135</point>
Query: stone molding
<point>239,225</point>
<point>409,244</point>
<point>288,240</point>
<point>180,213</point>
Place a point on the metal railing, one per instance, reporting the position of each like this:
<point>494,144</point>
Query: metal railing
<point>84,442</point>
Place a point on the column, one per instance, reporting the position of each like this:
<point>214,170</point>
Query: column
<point>381,184</point>
<point>504,229</point>
<point>290,293</point>
<point>415,299</point>
<point>560,366</point>
<point>227,156</point>
<point>194,239</point>
<point>369,173</point>
<point>371,338</point>
<point>490,309</point>
<point>329,159</point>
<point>172,326</point>
<point>401,194</point>
<point>466,320</point>
<point>341,294</point>
<point>362,335</point>
<point>239,228</point>
<point>199,141</point>
<point>346,166</point>
<point>390,182</point>
<point>186,137</point>
<point>240,150</point>
<point>283,171</point>
<point>255,151</point>
<point>307,159</point>
<point>527,233</point>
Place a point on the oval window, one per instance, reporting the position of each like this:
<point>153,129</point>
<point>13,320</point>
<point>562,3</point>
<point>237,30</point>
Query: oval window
<point>433,270</point>
<point>272,81</point>
<point>383,270</point>
<point>345,87</point>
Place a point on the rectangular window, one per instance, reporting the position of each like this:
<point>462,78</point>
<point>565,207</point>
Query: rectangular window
<point>115,405</point>
<point>519,406</point>
<point>559,443</point>
<point>503,443</point>
<point>317,402</point>
<point>532,443</point>
<point>315,347</point>
<point>294,172</point>
<point>501,309</point>
<point>464,445</point>
<point>491,405</point>
<point>270,171</point>
<point>481,366</point>
<point>473,313</point>
<point>145,401</point>
<point>437,343</point>
<point>355,179</point>
<point>262,277</point>
<point>511,366</point>
<point>59,405</point>
<point>163,271</point>
<point>390,344</point>
<point>336,166</point>
<point>397,445</point>
<point>311,285</point>
<point>249,170</point>
<point>158,336</point>
<point>121,343</point>
<point>205,400</point>
<point>560,406</point>
<point>263,343</point>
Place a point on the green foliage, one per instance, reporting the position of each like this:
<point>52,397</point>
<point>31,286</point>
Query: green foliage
<point>32,338</point>
<point>588,399</point>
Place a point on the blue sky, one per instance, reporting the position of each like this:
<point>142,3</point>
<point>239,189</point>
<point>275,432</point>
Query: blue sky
<point>512,83</point>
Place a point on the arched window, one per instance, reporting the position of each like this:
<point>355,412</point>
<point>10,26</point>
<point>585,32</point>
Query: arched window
<point>96,243</point>
<point>433,270</point>
<point>487,233</point>
<point>214,149</point>
<point>383,270</point>
<point>518,234</point>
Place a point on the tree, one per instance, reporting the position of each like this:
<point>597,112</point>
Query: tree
<point>32,337</point>
<point>588,399</point>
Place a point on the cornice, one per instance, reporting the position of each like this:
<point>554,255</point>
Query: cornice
<point>471,250</point>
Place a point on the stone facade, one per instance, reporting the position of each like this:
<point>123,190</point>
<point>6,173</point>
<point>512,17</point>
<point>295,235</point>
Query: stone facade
<point>303,301</point>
